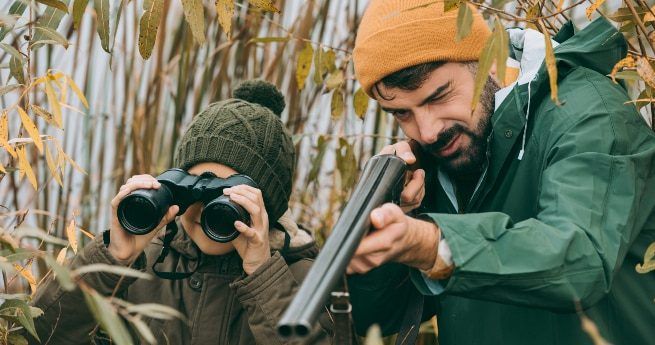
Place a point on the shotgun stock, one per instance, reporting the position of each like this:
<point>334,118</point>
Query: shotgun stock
<point>380,182</point>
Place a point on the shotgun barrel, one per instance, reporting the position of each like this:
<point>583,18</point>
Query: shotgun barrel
<point>380,182</point>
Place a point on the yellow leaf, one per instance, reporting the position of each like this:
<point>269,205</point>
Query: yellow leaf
<point>148,26</point>
<point>55,107</point>
<point>2,169</point>
<point>264,5</point>
<point>550,63</point>
<point>593,7</point>
<point>194,13</point>
<point>559,5</point>
<point>628,61</point>
<point>26,273</point>
<point>645,71</point>
<point>77,91</point>
<point>360,101</point>
<point>649,16</point>
<point>52,166</point>
<point>30,127</point>
<point>71,235</point>
<point>337,104</point>
<point>304,65</point>
<point>25,167</point>
<point>225,12</point>
<point>86,233</point>
<point>74,164</point>
<point>450,4</point>
<point>319,68</point>
<point>61,257</point>
<point>649,261</point>
<point>334,80</point>
<point>4,134</point>
<point>44,114</point>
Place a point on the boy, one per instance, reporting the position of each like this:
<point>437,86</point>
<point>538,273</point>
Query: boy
<point>239,289</point>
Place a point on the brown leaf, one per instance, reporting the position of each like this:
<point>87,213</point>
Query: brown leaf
<point>550,63</point>
<point>61,257</point>
<point>225,12</point>
<point>194,13</point>
<point>645,71</point>
<point>304,64</point>
<point>31,129</point>
<point>26,273</point>
<point>77,91</point>
<point>44,114</point>
<point>264,5</point>
<point>148,25</point>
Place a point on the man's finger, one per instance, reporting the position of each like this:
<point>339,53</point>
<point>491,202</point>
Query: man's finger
<point>414,187</point>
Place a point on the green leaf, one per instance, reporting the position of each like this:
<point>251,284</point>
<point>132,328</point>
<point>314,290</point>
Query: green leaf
<point>194,14</point>
<point>464,22</point>
<point>51,19</point>
<point>102,12</point>
<point>21,311</point>
<point>624,14</point>
<point>144,330</point>
<point>118,270</point>
<point>346,164</point>
<point>16,70</point>
<point>360,102</point>
<point>155,311</point>
<point>489,53</point>
<point>50,35</point>
<point>107,317</point>
<point>318,159</point>
<point>13,52</point>
<point>54,3</point>
<point>319,68</point>
<point>79,6</point>
<point>268,39</point>
<point>450,4</point>
<point>304,64</point>
<point>148,26</point>
<point>337,104</point>
<point>16,339</point>
<point>61,273</point>
<point>16,9</point>
<point>502,50</point>
<point>334,80</point>
<point>627,75</point>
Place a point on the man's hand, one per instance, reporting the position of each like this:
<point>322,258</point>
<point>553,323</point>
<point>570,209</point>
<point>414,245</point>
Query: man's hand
<point>397,237</point>
<point>414,190</point>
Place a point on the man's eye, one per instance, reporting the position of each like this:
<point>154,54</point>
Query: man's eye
<point>400,114</point>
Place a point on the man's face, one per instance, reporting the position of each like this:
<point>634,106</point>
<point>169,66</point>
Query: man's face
<point>438,116</point>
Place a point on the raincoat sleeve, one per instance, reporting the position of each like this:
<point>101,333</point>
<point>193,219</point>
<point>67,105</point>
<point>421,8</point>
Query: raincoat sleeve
<point>266,294</point>
<point>592,201</point>
<point>66,318</point>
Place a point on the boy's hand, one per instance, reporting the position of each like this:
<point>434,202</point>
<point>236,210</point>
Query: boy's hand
<point>124,246</point>
<point>252,245</point>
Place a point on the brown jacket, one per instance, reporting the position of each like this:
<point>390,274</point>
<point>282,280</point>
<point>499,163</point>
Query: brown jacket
<point>222,305</point>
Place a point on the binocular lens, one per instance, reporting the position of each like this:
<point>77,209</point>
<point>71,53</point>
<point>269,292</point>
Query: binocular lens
<point>218,219</point>
<point>142,210</point>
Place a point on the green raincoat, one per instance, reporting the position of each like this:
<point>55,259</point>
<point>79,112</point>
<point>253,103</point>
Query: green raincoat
<point>559,230</point>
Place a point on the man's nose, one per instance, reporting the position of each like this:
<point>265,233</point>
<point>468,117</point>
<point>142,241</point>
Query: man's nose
<point>429,126</point>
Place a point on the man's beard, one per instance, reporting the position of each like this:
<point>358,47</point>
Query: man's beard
<point>470,159</point>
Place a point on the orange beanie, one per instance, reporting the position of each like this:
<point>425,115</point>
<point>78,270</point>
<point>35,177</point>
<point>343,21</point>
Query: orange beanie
<point>396,34</point>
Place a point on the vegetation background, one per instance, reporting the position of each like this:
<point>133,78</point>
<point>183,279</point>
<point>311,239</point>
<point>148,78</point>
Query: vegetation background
<point>92,92</point>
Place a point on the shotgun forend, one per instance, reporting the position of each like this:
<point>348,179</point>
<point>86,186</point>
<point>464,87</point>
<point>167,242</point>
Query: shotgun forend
<point>380,182</point>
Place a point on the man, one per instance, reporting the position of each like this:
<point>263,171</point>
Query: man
<point>530,212</point>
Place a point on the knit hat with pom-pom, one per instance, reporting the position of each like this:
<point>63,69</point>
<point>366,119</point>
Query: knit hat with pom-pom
<point>246,134</point>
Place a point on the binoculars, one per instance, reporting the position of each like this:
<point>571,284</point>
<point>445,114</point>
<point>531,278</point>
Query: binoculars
<point>143,209</point>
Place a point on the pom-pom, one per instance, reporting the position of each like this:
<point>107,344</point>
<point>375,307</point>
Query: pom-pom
<point>262,93</point>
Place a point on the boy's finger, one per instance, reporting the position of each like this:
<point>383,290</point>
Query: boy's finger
<point>245,230</point>
<point>243,192</point>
